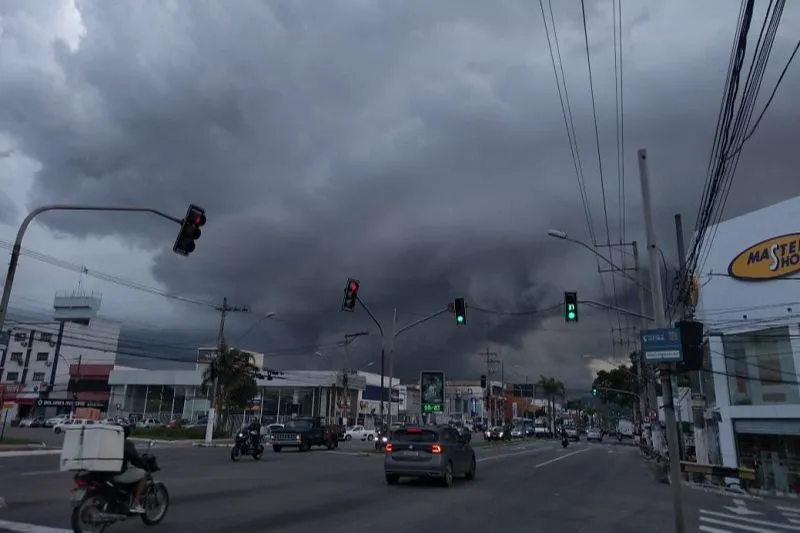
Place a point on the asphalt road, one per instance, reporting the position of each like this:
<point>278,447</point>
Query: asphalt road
<point>536,488</point>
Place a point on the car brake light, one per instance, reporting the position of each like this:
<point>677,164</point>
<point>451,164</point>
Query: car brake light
<point>413,430</point>
<point>436,448</point>
<point>389,447</point>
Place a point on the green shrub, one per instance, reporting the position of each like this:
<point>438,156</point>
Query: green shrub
<point>175,434</point>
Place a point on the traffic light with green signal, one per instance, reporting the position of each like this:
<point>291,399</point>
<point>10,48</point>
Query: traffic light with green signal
<point>571,306</point>
<point>460,310</point>
<point>594,391</point>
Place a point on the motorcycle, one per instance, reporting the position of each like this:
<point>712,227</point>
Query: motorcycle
<point>247,444</point>
<point>98,502</point>
<point>564,441</point>
<point>381,441</point>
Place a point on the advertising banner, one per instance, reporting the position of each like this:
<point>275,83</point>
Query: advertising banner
<point>431,386</point>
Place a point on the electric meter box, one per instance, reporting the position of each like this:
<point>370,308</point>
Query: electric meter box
<point>97,448</point>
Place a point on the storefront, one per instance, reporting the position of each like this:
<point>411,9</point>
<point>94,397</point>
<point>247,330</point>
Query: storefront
<point>750,305</point>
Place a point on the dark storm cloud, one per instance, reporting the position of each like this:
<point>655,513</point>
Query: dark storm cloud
<point>417,146</point>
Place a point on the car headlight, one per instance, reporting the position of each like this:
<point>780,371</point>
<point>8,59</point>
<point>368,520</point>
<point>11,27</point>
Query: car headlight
<point>297,437</point>
<point>240,435</point>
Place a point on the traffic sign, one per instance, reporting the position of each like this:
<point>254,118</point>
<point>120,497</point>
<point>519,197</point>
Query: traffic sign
<point>662,345</point>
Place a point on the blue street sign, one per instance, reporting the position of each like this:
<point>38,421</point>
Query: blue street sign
<point>662,345</point>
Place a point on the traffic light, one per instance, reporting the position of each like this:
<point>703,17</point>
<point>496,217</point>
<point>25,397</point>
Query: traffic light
<point>350,294</point>
<point>594,391</point>
<point>571,306</point>
<point>483,381</point>
<point>190,230</point>
<point>460,309</point>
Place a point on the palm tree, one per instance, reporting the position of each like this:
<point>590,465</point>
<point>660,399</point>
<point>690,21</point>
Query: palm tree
<point>551,388</point>
<point>235,376</point>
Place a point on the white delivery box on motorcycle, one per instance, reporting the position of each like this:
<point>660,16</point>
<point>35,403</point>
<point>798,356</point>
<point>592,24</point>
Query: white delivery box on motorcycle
<point>97,448</point>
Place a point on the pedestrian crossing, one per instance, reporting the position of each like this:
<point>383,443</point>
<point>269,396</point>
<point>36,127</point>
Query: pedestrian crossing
<point>741,519</point>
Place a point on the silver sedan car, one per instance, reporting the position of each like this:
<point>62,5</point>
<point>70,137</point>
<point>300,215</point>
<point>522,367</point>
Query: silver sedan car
<point>594,434</point>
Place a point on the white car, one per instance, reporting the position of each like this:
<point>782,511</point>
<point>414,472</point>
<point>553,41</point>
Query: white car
<point>149,423</point>
<point>359,433</point>
<point>53,422</point>
<point>71,423</point>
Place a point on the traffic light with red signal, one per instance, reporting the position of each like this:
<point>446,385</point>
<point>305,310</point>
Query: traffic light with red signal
<point>190,230</point>
<point>350,294</point>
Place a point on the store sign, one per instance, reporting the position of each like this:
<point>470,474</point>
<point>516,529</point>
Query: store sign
<point>95,404</point>
<point>773,258</point>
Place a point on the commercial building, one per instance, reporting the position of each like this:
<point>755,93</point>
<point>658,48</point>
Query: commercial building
<point>52,363</point>
<point>750,305</point>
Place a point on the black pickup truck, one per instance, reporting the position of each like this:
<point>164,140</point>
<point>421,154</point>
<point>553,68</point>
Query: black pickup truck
<point>303,433</point>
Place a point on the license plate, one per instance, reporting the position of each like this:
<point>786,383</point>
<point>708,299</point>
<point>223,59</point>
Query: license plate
<point>77,495</point>
<point>411,454</point>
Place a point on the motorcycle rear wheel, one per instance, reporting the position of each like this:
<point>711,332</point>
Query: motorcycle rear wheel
<point>90,503</point>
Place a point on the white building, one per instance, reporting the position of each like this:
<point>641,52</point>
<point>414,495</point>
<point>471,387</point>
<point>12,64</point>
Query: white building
<point>36,362</point>
<point>750,305</point>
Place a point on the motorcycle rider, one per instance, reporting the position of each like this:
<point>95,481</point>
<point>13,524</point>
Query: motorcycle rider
<point>254,430</point>
<point>133,472</point>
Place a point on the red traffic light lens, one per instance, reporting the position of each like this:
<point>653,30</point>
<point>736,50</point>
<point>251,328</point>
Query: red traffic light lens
<point>354,286</point>
<point>199,220</point>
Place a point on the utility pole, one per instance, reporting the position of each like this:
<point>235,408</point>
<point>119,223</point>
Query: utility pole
<point>648,399</point>
<point>348,338</point>
<point>75,392</point>
<point>661,322</point>
<point>491,368</point>
<point>695,378</point>
<point>224,309</point>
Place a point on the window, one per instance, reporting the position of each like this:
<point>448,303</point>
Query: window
<point>20,337</point>
<point>12,376</point>
<point>16,356</point>
<point>38,377</point>
<point>760,368</point>
<point>46,337</point>
<point>43,356</point>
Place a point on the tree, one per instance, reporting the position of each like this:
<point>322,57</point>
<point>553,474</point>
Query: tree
<point>551,388</point>
<point>236,376</point>
<point>622,378</point>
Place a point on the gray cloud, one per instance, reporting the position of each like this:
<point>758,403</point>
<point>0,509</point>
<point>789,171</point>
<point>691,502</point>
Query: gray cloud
<point>419,147</point>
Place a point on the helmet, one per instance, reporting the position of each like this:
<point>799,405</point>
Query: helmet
<point>126,430</point>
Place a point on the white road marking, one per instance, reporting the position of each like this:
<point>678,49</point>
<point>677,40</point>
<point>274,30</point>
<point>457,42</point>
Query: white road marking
<point>529,451</point>
<point>551,461</point>
<point>40,473</point>
<point>20,527</point>
<point>747,524</point>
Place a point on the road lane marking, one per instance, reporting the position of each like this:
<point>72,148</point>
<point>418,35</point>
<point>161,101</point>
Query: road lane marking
<point>560,457</point>
<point>40,473</point>
<point>21,527</point>
<point>530,451</point>
<point>29,453</point>
<point>740,522</point>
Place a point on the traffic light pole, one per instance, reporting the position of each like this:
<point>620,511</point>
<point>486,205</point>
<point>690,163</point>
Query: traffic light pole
<point>17,248</point>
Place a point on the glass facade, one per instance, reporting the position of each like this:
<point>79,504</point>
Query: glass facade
<point>760,368</point>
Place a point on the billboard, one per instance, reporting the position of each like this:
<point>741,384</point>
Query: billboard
<point>206,355</point>
<point>431,386</point>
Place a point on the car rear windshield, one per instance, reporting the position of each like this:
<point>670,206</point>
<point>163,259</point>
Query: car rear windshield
<point>415,435</point>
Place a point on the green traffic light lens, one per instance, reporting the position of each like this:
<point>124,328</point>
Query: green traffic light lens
<point>460,319</point>
<point>571,316</point>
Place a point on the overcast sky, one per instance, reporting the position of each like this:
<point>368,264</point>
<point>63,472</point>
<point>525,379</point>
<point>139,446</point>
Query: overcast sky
<point>418,146</point>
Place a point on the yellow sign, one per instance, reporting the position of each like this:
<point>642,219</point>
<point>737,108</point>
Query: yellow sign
<point>773,258</point>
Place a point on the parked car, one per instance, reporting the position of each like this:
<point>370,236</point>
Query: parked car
<point>32,422</point>
<point>71,423</point>
<point>52,422</point>
<point>149,423</point>
<point>360,433</point>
